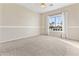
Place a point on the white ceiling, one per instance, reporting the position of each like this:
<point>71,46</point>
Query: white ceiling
<point>36,6</point>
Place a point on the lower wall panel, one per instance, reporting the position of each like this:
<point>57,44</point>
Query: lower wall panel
<point>73,33</point>
<point>8,34</point>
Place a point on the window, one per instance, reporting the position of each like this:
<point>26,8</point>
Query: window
<point>55,23</point>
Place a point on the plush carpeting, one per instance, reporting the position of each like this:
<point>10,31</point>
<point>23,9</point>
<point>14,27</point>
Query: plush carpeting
<point>34,46</point>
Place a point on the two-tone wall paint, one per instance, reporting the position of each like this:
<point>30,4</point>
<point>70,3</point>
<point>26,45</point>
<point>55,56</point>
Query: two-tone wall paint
<point>71,18</point>
<point>17,22</point>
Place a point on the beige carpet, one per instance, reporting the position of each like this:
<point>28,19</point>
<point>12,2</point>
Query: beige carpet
<point>34,46</point>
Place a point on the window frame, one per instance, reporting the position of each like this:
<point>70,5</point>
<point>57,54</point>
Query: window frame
<point>56,24</point>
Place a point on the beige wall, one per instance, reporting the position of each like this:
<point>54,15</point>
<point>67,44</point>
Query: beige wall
<point>71,18</point>
<point>73,21</point>
<point>17,22</point>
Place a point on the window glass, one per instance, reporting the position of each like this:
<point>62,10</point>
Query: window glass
<point>55,23</point>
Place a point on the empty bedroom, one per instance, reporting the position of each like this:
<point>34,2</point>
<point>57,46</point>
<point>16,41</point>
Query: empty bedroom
<point>39,29</point>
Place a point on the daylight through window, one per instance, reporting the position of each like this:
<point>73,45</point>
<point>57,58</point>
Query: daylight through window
<point>55,23</point>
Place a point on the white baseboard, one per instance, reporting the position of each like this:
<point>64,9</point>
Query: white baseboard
<point>27,36</point>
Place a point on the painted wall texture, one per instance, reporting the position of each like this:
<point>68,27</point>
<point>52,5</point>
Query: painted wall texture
<point>17,22</point>
<point>71,18</point>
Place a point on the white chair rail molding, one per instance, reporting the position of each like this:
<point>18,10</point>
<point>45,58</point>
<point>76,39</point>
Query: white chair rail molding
<point>39,29</point>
